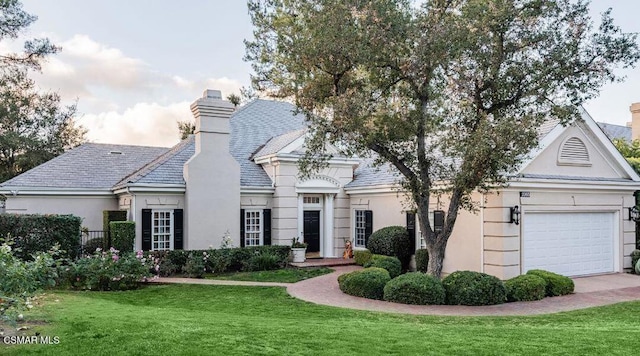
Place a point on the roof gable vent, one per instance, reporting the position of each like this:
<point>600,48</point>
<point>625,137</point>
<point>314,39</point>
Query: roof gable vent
<point>573,152</point>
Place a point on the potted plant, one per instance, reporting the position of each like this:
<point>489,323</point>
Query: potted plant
<point>299,250</point>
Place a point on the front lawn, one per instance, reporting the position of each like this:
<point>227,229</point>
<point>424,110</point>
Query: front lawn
<point>286,275</point>
<point>233,320</point>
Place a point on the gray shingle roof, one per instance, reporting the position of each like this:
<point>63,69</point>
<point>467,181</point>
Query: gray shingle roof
<point>367,174</point>
<point>252,126</point>
<point>89,166</point>
<point>279,142</point>
<point>166,169</point>
<point>578,178</point>
<point>616,131</point>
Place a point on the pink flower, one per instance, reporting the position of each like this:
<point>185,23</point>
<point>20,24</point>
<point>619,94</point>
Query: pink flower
<point>115,258</point>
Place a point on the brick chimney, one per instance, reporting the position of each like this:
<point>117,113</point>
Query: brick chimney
<point>212,176</point>
<point>635,121</point>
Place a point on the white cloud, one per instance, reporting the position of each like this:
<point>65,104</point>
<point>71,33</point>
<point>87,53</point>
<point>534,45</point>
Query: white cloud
<point>122,99</point>
<point>147,124</point>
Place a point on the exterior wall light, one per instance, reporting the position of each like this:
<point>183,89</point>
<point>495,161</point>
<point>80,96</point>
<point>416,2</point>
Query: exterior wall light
<point>514,215</point>
<point>634,214</point>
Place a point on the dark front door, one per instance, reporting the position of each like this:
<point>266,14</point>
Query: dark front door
<point>312,230</point>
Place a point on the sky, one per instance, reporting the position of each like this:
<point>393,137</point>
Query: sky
<point>134,66</point>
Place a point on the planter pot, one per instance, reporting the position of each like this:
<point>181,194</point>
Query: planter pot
<point>299,254</point>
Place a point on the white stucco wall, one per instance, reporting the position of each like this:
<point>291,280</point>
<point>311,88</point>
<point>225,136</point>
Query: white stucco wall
<point>89,208</point>
<point>212,177</point>
<point>464,246</point>
<point>284,203</point>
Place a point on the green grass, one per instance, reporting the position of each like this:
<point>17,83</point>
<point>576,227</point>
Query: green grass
<point>287,275</point>
<point>233,320</point>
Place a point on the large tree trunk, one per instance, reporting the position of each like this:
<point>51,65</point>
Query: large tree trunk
<point>436,256</point>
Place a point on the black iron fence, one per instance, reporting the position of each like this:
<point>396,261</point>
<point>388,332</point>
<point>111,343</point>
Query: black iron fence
<point>93,239</point>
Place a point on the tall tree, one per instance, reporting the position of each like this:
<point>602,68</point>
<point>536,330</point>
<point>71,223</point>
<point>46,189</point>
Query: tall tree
<point>34,126</point>
<point>449,92</point>
<point>630,151</point>
<point>186,128</point>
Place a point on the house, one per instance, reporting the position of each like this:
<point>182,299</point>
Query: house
<point>565,210</point>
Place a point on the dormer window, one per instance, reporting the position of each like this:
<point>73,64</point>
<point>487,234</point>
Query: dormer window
<point>573,152</point>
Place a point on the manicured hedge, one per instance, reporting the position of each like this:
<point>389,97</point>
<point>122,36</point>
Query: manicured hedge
<point>422,260</point>
<point>226,259</point>
<point>473,288</point>
<point>123,235</point>
<point>366,283</point>
<point>361,257</point>
<point>526,287</point>
<point>112,215</point>
<point>415,288</point>
<point>39,233</point>
<point>391,264</point>
<point>637,269</point>
<point>555,284</point>
<point>392,241</point>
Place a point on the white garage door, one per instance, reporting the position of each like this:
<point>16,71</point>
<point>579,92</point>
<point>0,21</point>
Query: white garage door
<point>570,244</point>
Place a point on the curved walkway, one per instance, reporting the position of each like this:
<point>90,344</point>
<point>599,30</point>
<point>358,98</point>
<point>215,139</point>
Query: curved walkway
<point>324,290</point>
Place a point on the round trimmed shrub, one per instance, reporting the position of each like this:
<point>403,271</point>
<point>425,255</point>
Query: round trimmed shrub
<point>473,288</point>
<point>391,264</point>
<point>415,288</point>
<point>391,241</point>
<point>361,257</point>
<point>366,283</point>
<point>638,267</point>
<point>556,284</point>
<point>422,260</point>
<point>526,287</point>
<point>635,257</point>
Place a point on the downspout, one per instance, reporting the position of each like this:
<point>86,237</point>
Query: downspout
<point>133,212</point>
<point>273,172</point>
<point>636,195</point>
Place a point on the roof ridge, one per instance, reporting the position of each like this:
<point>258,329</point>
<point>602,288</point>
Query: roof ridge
<point>154,164</point>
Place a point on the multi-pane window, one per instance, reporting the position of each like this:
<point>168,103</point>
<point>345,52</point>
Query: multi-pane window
<point>252,227</point>
<point>311,200</point>
<point>162,230</point>
<point>360,230</point>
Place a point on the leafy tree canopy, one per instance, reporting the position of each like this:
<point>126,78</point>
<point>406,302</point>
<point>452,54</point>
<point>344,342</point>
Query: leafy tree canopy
<point>449,92</point>
<point>34,126</point>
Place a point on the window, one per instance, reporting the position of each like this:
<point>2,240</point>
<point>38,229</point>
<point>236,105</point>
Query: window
<point>363,227</point>
<point>360,229</point>
<point>161,230</point>
<point>252,228</point>
<point>311,200</point>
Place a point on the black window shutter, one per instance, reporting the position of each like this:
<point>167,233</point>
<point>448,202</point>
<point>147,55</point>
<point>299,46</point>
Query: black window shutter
<point>146,229</point>
<point>266,226</point>
<point>241,227</point>
<point>368,225</point>
<point>178,228</point>
<point>411,229</point>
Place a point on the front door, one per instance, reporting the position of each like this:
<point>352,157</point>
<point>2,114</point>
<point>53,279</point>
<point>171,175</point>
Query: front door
<point>312,230</point>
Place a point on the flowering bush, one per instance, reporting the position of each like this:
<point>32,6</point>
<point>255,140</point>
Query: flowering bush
<point>109,270</point>
<point>195,266</point>
<point>21,280</point>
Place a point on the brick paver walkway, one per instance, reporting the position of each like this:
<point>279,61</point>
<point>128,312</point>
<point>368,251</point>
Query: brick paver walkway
<point>324,290</point>
<point>590,292</point>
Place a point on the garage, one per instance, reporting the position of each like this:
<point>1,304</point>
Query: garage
<point>569,243</point>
